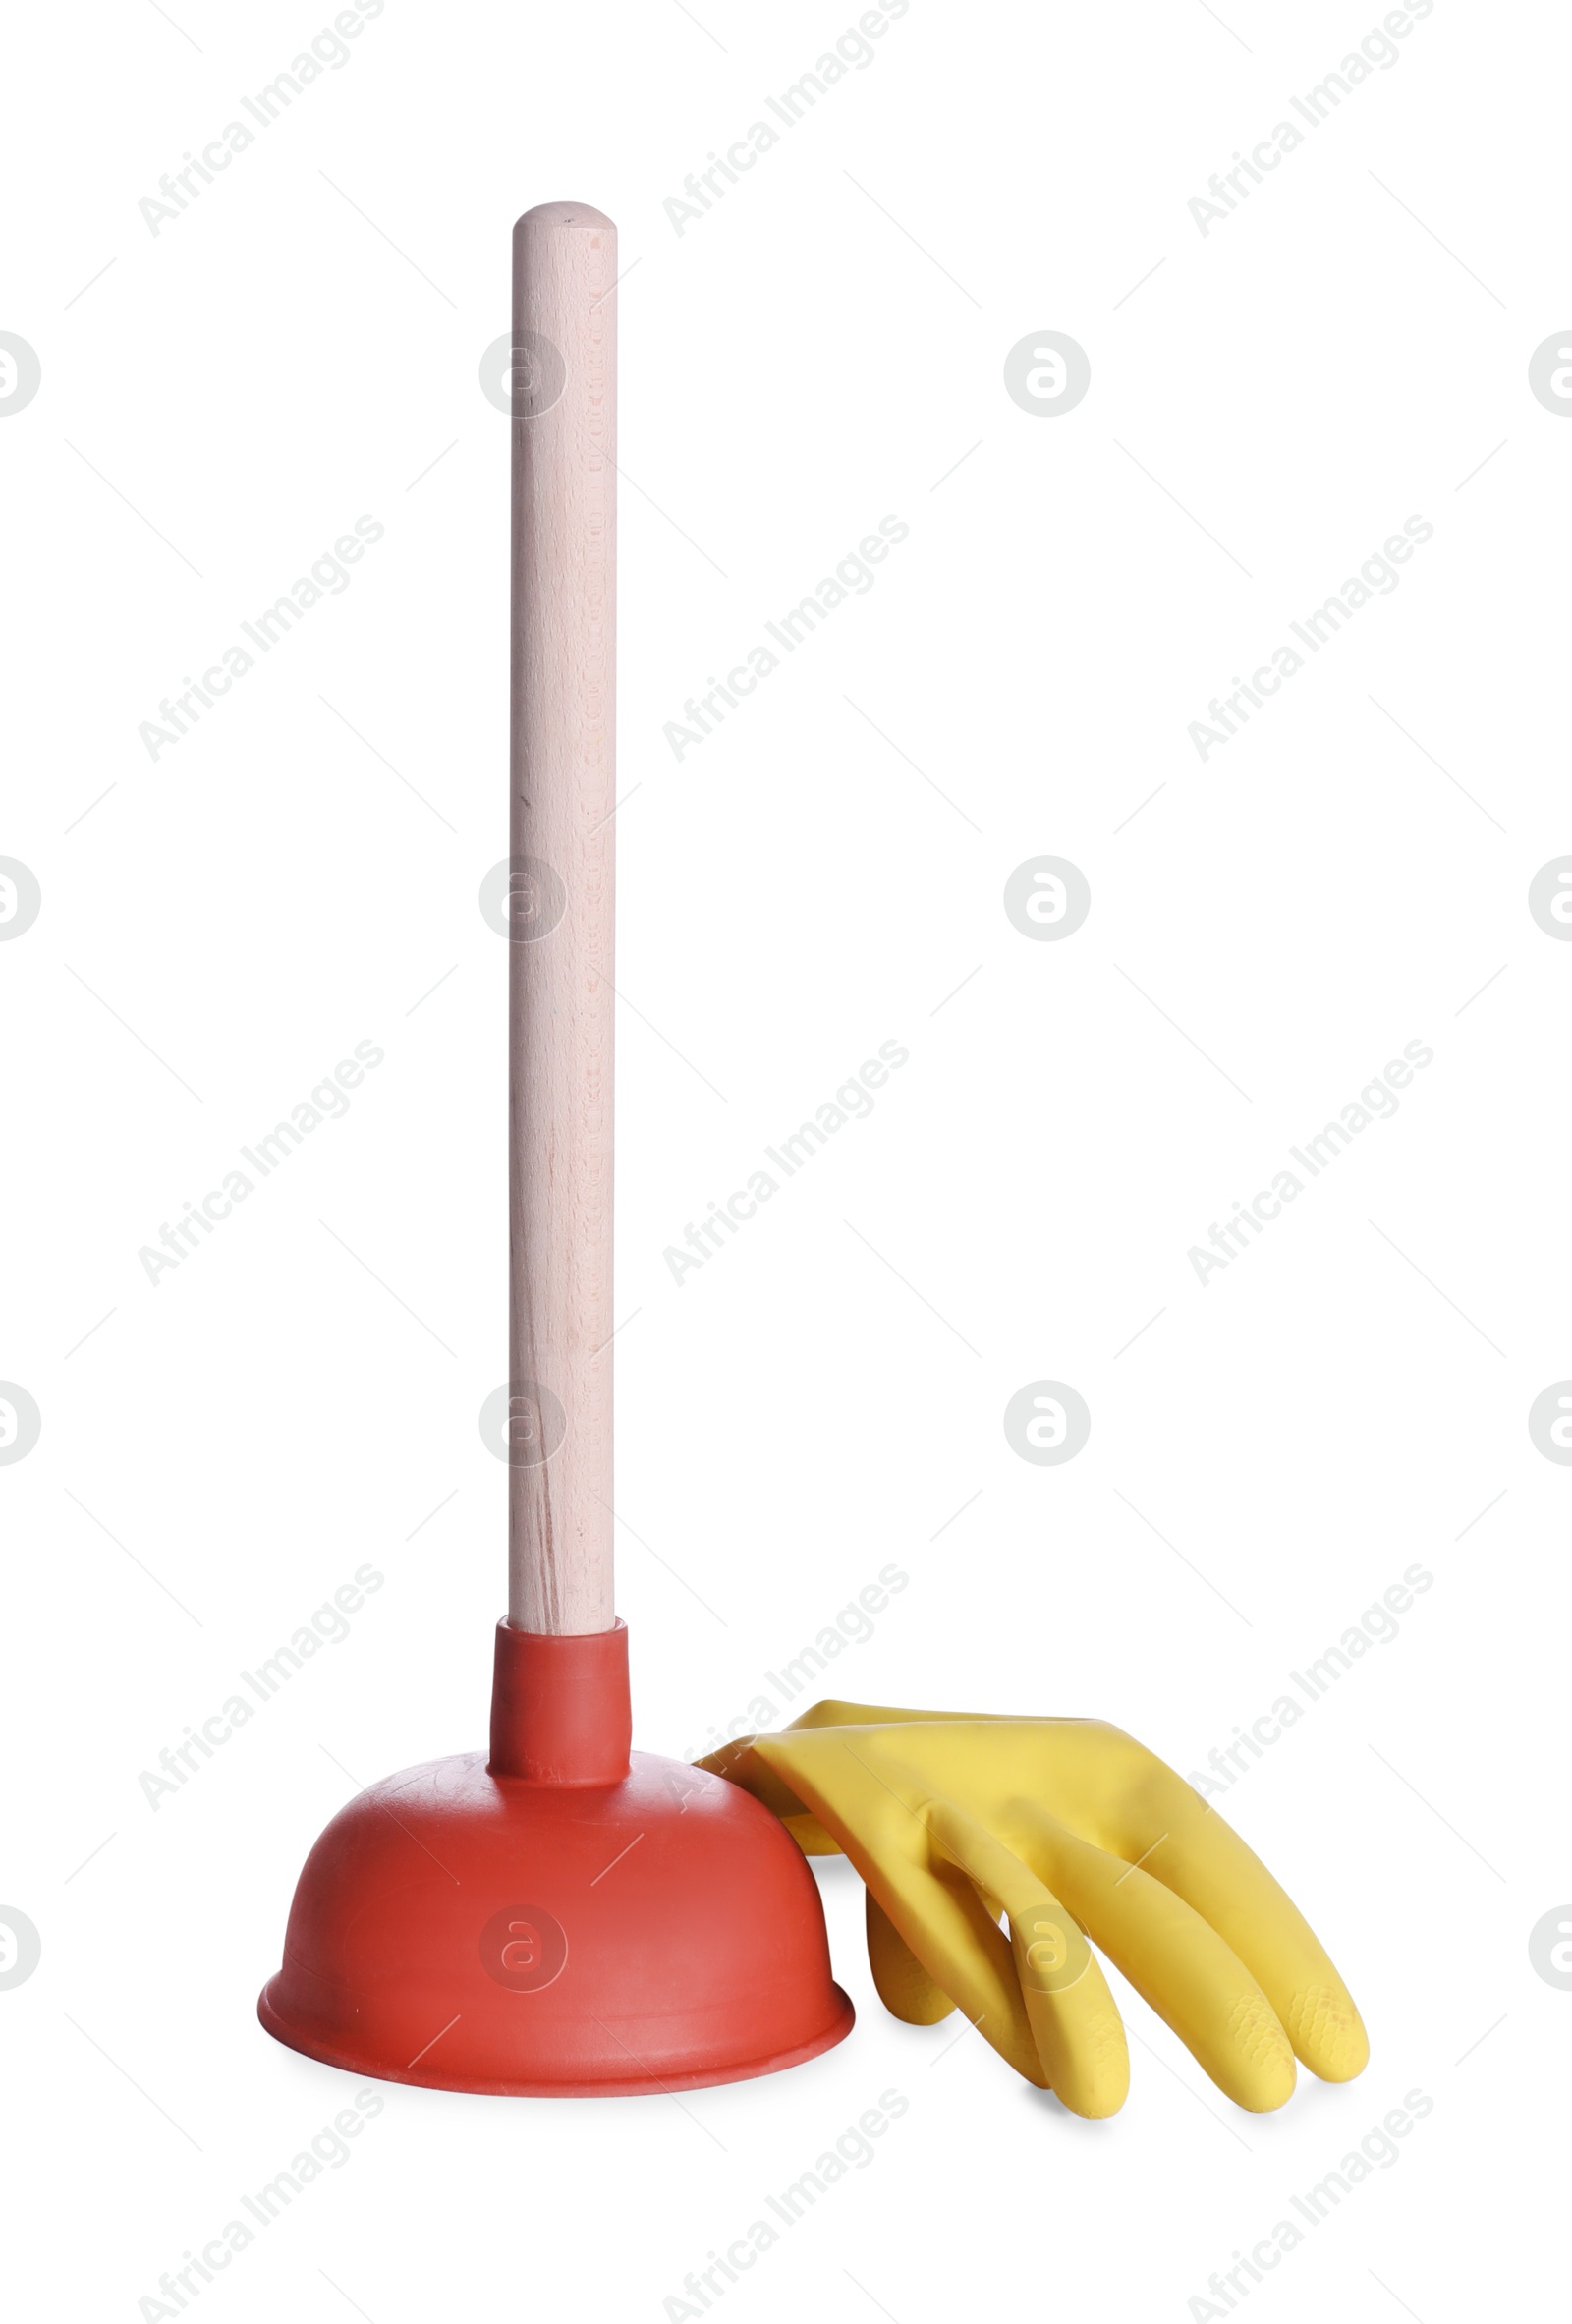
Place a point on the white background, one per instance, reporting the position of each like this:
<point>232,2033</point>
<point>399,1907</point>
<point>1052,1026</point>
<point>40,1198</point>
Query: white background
<point>220,927</point>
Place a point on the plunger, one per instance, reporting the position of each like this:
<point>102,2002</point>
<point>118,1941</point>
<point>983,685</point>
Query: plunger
<point>560,1916</point>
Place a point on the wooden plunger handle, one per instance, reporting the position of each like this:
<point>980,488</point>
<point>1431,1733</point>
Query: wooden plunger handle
<point>562,890</point>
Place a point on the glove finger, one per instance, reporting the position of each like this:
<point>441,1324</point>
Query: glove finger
<point>881,1822</point>
<point>902,1983</point>
<point>937,1913</point>
<point>1075,2026</point>
<point>1178,1964</point>
<point>1186,1845</point>
<point>934,1910</point>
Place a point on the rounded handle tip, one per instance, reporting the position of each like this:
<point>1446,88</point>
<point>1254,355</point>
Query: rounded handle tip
<point>564,213</point>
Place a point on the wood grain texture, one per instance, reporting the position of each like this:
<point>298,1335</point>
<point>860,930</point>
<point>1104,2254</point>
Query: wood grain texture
<point>560,981</point>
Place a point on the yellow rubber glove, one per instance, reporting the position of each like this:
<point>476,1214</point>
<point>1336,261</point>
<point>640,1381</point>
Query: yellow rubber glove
<point>1065,1827</point>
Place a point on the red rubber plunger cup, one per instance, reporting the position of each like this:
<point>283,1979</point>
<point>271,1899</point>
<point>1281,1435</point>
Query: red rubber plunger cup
<point>561,1916</point>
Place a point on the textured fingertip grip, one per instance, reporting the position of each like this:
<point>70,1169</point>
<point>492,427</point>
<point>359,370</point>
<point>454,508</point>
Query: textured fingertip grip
<point>1327,2033</point>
